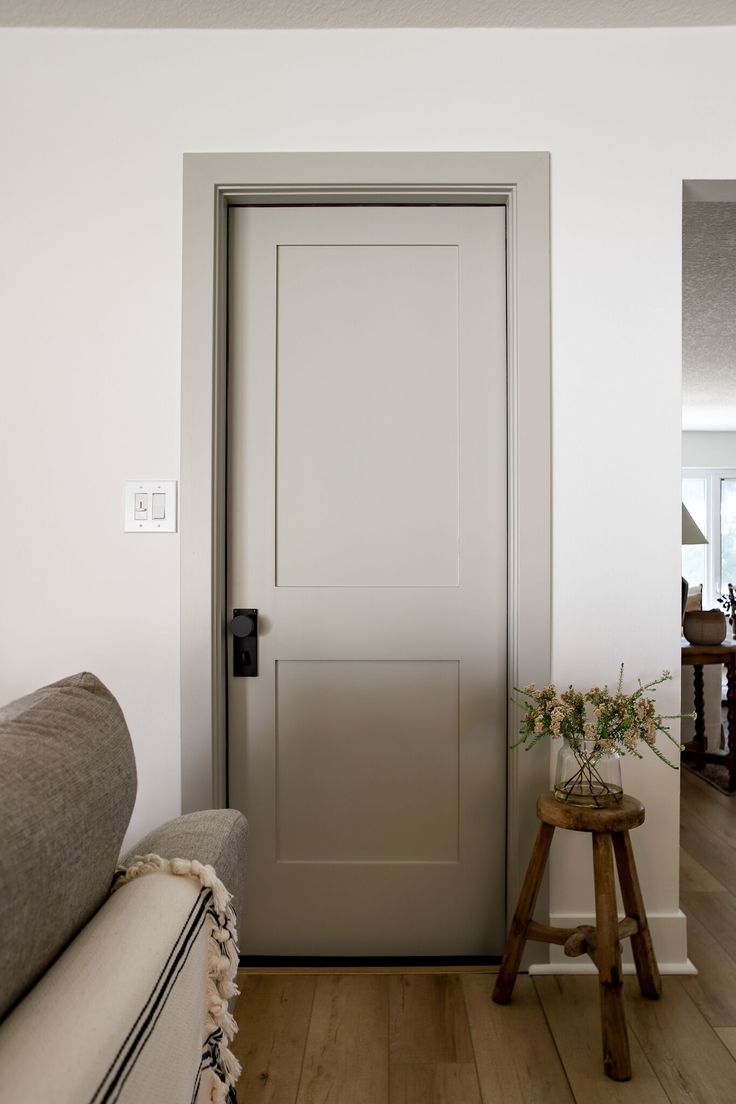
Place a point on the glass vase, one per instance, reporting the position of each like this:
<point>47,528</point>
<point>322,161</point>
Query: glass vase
<point>587,775</point>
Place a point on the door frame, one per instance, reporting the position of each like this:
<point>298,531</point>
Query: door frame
<point>213,182</point>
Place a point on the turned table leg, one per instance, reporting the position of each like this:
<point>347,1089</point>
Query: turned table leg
<point>731,720</point>
<point>523,915</point>
<point>616,1061</point>
<point>699,703</point>
<point>647,971</point>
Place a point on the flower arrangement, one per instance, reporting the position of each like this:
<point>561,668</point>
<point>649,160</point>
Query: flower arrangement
<point>596,725</point>
<point>728,601</point>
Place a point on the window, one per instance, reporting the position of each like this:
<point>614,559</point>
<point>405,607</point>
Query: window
<point>693,555</point>
<point>728,531</point>
<point>710,496</point>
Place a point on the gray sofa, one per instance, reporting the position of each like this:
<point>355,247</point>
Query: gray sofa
<point>104,998</point>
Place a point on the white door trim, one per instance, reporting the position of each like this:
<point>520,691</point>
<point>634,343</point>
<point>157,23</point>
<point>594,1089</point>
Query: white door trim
<point>212,183</point>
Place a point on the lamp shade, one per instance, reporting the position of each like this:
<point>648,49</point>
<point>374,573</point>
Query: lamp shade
<point>690,532</point>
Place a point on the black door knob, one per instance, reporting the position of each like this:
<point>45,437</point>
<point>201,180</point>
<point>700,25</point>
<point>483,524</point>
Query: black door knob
<point>242,625</point>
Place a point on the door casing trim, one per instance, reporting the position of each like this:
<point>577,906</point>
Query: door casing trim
<point>213,182</point>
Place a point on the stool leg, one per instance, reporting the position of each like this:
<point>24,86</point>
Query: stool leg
<point>524,910</point>
<point>647,972</point>
<point>616,1061</point>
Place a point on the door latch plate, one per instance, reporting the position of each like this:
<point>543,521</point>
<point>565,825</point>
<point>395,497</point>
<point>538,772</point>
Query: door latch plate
<point>244,627</point>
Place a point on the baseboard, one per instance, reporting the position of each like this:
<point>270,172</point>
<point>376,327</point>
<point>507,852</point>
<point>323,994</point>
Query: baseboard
<point>669,935</point>
<point>585,966</point>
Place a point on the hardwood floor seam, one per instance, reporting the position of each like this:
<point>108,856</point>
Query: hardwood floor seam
<point>552,1037</point>
<point>481,1094</point>
<point>306,1041</point>
<point>387,995</point>
<point>716,1031</point>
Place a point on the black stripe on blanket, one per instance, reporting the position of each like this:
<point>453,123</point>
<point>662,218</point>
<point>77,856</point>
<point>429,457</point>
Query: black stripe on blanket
<point>124,1062</point>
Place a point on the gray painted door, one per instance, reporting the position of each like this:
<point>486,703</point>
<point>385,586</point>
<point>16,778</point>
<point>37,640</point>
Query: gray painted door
<point>367,523</point>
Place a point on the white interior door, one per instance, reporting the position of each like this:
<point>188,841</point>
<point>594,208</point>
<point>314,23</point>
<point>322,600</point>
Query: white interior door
<point>367,523</point>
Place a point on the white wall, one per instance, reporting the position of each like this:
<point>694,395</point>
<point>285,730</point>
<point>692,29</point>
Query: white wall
<point>709,450</point>
<point>93,128</point>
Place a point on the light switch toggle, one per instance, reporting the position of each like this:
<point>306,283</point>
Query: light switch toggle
<point>141,506</point>
<point>158,506</point>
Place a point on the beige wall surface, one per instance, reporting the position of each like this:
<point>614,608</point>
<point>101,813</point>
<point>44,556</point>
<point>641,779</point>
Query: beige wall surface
<point>93,127</point>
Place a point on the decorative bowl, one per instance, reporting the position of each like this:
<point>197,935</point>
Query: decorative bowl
<point>704,627</point>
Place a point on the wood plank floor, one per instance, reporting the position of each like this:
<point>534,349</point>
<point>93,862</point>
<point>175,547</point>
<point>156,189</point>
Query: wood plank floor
<point>365,1037</point>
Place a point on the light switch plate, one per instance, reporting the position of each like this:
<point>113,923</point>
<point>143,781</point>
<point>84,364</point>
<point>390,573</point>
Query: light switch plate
<point>139,521</point>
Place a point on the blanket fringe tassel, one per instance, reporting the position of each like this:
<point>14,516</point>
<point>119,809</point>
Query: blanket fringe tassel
<point>223,1067</point>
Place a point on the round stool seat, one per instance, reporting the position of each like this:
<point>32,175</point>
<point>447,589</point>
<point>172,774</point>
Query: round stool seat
<point>627,814</point>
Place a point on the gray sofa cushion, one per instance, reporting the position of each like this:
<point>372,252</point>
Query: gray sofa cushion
<point>67,788</point>
<point>215,836</point>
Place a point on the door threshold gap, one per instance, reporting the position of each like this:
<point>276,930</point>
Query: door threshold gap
<point>266,964</point>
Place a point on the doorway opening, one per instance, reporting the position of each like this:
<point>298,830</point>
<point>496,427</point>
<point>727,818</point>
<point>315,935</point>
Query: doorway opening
<point>709,470</point>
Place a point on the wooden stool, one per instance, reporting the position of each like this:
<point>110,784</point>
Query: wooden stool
<point>610,829</point>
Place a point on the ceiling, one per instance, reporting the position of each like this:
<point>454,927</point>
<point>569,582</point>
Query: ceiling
<point>265,14</point>
<point>709,306</point>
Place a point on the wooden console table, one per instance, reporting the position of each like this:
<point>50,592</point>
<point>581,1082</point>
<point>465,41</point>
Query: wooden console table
<point>698,656</point>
